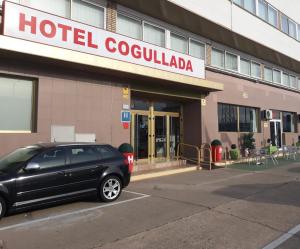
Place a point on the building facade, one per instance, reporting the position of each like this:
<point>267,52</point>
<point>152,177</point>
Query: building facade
<point>185,71</point>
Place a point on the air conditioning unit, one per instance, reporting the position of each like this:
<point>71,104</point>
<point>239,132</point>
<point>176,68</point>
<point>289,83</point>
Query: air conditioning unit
<point>267,114</point>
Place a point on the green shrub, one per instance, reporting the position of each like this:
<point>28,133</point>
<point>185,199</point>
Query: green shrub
<point>248,141</point>
<point>125,147</point>
<point>216,142</point>
<point>234,154</point>
<point>298,144</point>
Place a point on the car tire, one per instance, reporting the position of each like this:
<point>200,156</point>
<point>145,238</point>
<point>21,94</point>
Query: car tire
<point>2,207</point>
<point>110,188</point>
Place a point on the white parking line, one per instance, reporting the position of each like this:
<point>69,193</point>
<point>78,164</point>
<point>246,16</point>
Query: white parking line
<point>283,238</point>
<point>142,196</point>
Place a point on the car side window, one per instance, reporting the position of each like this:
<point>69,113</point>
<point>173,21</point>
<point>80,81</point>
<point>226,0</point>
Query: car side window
<point>106,152</point>
<point>83,154</point>
<point>51,159</point>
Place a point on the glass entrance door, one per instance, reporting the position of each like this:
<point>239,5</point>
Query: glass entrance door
<point>276,132</point>
<point>141,135</point>
<point>160,137</point>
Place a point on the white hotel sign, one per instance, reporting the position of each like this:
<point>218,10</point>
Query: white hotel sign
<point>36,26</point>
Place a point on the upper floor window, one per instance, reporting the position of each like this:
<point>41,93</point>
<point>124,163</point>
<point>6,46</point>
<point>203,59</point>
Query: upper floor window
<point>298,32</point>
<point>57,7</point>
<point>277,76</point>
<point>197,49</point>
<point>272,16</point>
<point>247,4</point>
<point>292,29</point>
<point>263,9</point>
<point>217,58</point>
<point>285,24</point>
<point>268,74</point>
<point>293,81</point>
<point>178,43</point>
<point>285,79</point>
<point>16,104</point>
<point>154,35</point>
<point>255,70</point>
<point>129,26</point>
<point>231,62</point>
<point>88,13</point>
<point>245,67</point>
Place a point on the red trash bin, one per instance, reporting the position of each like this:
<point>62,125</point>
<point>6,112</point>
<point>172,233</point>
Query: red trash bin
<point>127,151</point>
<point>129,158</point>
<point>216,153</point>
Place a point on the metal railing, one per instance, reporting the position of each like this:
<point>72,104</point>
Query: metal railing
<point>206,152</point>
<point>195,160</point>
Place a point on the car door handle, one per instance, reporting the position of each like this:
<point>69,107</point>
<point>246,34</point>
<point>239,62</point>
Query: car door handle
<point>64,173</point>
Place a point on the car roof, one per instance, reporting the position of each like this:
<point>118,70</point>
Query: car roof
<point>53,145</point>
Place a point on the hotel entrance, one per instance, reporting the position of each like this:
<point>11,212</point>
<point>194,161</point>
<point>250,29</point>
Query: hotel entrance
<point>155,129</point>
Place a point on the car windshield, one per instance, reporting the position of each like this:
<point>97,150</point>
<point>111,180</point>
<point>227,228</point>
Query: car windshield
<point>17,157</point>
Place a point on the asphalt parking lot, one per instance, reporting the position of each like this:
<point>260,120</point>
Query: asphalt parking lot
<point>224,208</point>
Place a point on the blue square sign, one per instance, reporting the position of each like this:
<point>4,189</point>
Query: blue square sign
<point>125,116</point>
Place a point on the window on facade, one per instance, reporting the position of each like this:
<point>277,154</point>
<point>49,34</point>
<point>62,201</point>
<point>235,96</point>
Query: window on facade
<point>245,67</point>
<point>255,70</point>
<point>217,58</point>
<point>263,10</point>
<point>16,104</point>
<point>238,2</point>
<point>284,24</point>
<point>277,76</point>
<point>299,83</point>
<point>248,119</point>
<point>250,5</point>
<point>57,7</point>
<point>197,49</point>
<point>288,120</point>
<point>293,81</point>
<point>298,32</point>
<point>88,13</point>
<point>129,26</point>
<point>292,29</point>
<point>227,116</point>
<point>231,62</point>
<point>268,74</point>
<point>285,79</point>
<point>154,35</point>
<point>272,16</point>
<point>178,43</point>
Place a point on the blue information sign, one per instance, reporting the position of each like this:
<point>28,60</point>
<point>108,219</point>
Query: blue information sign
<point>125,116</point>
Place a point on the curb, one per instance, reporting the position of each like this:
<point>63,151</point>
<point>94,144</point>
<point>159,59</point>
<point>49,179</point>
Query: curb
<point>163,173</point>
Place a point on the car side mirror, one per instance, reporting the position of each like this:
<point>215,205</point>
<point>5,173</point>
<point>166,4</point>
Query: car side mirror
<point>32,167</point>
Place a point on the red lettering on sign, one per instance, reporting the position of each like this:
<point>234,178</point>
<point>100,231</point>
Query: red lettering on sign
<point>64,29</point>
<point>173,62</point>
<point>78,36</point>
<point>107,43</point>
<point>149,57</point>
<point>156,60</point>
<point>90,41</point>
<point>123,48</point>
<point>136,51</point>
<point>164,59</point>
<point>31,23</point>
<point>181,63</point>
<point>189,66</point>
<point>52,29</point>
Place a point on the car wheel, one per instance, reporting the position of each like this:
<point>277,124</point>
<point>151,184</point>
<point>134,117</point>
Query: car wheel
<point>2,207</point>
<point>110,188</point>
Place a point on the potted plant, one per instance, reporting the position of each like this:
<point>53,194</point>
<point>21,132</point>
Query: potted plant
<point>248,142</point>
<point>298,144</point>
<point>216,147</point>
<point>234,152</point>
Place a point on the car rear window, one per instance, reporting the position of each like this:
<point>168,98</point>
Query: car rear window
<point>107,152</point>
<point>83,154</point>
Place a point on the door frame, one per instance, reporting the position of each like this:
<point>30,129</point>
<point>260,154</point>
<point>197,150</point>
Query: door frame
<point>276,121</point>
<point>151,132</point>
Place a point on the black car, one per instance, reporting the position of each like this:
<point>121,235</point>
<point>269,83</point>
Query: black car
<point>48,173</point>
